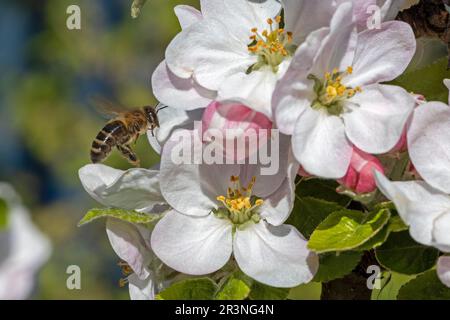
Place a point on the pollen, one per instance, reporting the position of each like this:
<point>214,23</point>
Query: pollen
<point>331,92</point>
<point>272,45</point>
<point>239,205</point>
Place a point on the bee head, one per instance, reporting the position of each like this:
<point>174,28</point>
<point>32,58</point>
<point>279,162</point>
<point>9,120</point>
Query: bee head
<point>151,116</point>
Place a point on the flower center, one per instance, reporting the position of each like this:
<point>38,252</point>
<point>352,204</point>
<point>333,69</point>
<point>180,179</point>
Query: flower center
<point>272,45</point>
<point>331,93</point>
<point>239,206</point>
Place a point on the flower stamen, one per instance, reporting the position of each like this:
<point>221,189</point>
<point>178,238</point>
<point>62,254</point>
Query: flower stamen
<point>331,92</point>
<point>239,206</point>
<point>272,45</point>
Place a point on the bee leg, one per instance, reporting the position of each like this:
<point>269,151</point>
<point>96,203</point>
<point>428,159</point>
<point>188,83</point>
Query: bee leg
<point>129,155</point>
<point>152,129</point>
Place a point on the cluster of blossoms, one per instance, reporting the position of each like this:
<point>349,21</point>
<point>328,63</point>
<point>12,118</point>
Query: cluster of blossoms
<point>315,72</point>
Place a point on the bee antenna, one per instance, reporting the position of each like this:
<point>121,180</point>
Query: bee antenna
<point>160,108</point>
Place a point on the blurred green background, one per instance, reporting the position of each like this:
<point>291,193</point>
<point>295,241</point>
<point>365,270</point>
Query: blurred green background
<point>49,75</point>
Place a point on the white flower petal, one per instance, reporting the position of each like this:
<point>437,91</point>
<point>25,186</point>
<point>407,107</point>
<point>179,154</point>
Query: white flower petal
<point>240,16</point>
<point>396,45</point>
<point>429,144</point>
<point>418,205</point>
<point>136,189</point>
<point>443,270</point>
<point>23,250</point>
<point>320,145</point>
<point>337,50</point>
<point>187,15</point>
<point>179,93</point>
<point>209,53</point>
<point>276,256</point>
<point>305,16</point>
<point>141,289</point>
<point>192,245</point>
<point>378,117</point>
<point>132,244</point>
<point>447,84</point>
<point>272,179</point>
<point>294,92</point>
<point>253,90</point>
<point>192,189</point>
<point>441,232</point>
<point>278,206</point>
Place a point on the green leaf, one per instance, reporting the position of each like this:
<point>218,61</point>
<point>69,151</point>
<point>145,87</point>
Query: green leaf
<point>136,7</point>
<point>261,291</point>
<point>346,229</point>
<point>426,286</point>
<point>236,287</point>
<point>3,214</point>
<point>395,224</point>
<point>391,282</point>
<point>190,289</point>
<point>431,81</point>
<point>336,265</point>
<point>309,212</point>
<point>400,253</point>
<point>126,215</point>
<point>321,189</point>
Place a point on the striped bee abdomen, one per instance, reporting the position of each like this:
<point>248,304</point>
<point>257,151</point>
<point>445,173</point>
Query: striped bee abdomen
<point>112,134</point>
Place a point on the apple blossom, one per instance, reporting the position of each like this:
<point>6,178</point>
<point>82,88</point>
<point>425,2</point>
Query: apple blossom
<point>23,249</point>
<point>339,102</point>
<point>359,177</point>
<point>134,189</point>
<point>223,209</point>
<point>236,50</point>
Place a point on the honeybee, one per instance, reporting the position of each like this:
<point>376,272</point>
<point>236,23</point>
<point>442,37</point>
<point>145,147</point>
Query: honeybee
<point>123,130</point>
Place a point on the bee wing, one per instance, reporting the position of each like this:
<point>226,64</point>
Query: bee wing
<point>107,108</point>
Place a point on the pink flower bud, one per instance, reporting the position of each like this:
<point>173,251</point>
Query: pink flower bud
<point>359,177</point>
<point>233,116</point>
<point>235,121</point>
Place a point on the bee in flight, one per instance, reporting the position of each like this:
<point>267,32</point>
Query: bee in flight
<point>123,130</point>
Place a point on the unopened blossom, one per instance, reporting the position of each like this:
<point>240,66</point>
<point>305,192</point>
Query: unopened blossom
<point>360,174</point>
<point>23,249</point>
<point>134,189</point>
<point>224,210</point>
<point>238,125</point>
<point>339,102</point>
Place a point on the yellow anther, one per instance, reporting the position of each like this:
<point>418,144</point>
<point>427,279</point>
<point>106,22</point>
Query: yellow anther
<point>269,21</point>
<point>335,71</point>
<point>221,198</point>
<point>331,91</point>
<point>278,19</point>
<point>350,70</point>
<point>234,178</point>
<point>254,30</point>
<point>259,202</point>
